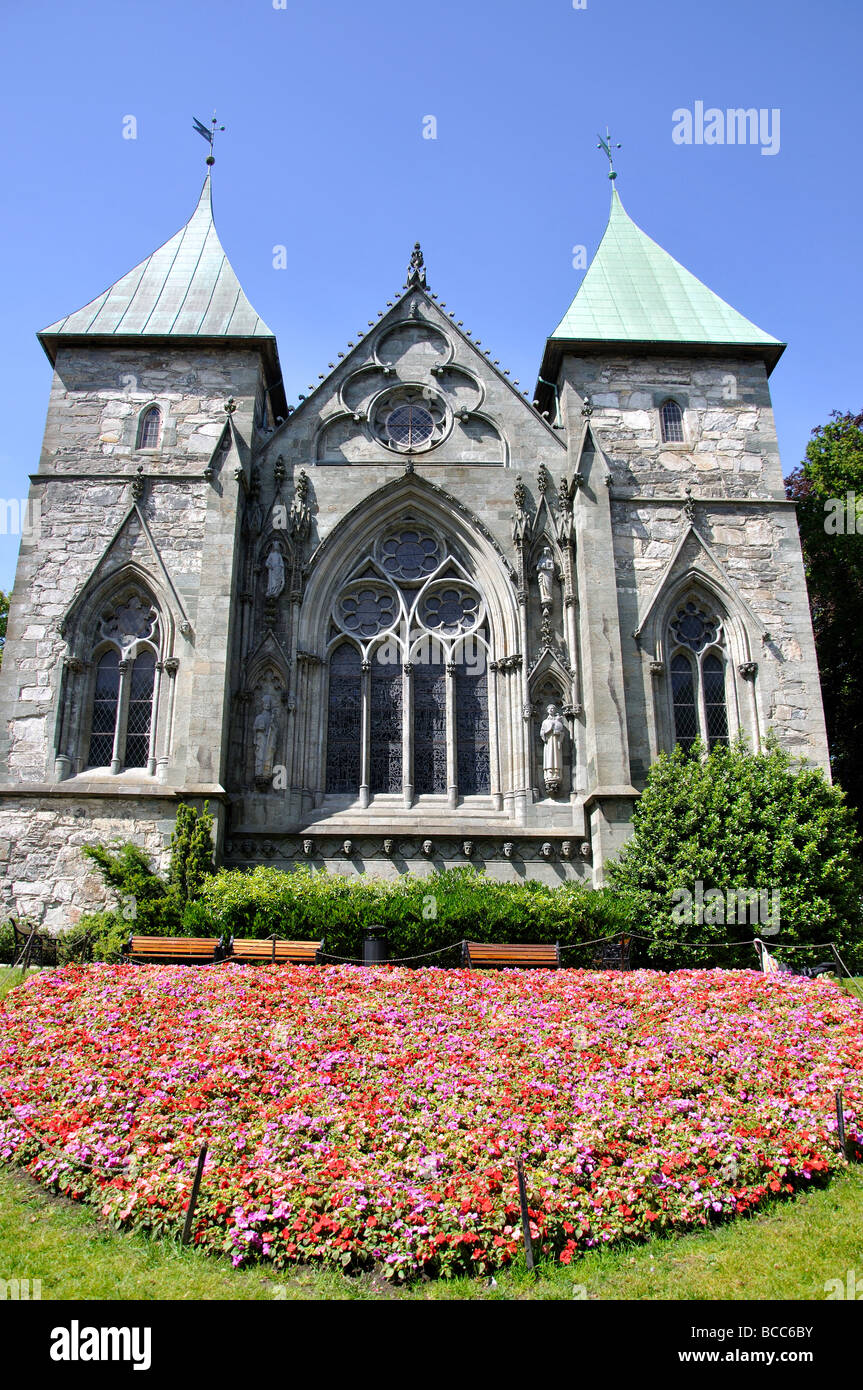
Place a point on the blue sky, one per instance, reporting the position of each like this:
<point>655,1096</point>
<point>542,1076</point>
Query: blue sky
<point>324,105</point>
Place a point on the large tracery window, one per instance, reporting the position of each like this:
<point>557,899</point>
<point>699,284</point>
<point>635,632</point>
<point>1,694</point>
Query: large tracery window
<point>121,712</point>
<point>408,685</point>
<point>698,675</point>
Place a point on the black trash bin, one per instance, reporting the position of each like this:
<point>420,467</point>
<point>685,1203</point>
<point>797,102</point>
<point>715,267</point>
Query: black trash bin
<point>376,948</point>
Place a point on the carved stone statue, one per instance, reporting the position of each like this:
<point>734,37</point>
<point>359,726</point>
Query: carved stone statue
<point>265,730</point>
<point>545,576</point>
<point>553,733</point>
<point>275,565</point>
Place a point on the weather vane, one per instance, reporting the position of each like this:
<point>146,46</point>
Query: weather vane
<point>608,146</point>
<point>209,135</point>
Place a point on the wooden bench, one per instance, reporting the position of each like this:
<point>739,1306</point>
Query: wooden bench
<point>530,955</point>
<point>184,950</point>
<point>274,949</point>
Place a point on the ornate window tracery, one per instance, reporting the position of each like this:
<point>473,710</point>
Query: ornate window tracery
<point>124,693</point>
<point>698,675</point>
<point>408,705</point>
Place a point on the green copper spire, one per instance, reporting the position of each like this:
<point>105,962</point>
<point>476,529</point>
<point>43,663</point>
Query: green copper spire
<point>634,292</point>
<point>185,289</point>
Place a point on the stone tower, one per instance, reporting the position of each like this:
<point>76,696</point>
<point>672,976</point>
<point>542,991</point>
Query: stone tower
<point>418,620</point>
<point>115,681</point>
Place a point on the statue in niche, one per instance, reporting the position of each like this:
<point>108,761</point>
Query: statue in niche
<point>553,733</point>
<point>264,733</point>
<point>545,576</point>
<point>275,566</point>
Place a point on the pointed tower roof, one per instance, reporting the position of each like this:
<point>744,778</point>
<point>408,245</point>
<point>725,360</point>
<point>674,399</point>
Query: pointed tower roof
<point>635,294</point>
<point>185,289</point>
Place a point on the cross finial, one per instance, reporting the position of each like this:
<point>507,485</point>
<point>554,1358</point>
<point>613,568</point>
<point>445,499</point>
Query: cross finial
<point>608,145</point>
<point>416,269</point>
<point>209,135</point>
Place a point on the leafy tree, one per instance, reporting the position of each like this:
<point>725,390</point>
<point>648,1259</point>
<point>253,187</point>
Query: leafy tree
<point>4,616</point>
<point>749,822</point>
<point>822,487</point>
<point>146,906</point>
<point>191,852</point>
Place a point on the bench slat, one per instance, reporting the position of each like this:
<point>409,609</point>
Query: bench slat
<point>512,953</point>
<point>292,952</point>
<point>199,948</point>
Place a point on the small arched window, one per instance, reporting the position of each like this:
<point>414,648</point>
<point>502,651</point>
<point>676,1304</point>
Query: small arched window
<point>671,420</point>
<point>149,428</point>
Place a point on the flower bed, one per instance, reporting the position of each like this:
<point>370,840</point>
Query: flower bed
<point>357,1116</point>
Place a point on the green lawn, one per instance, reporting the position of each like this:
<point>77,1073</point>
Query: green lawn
<point>787,1253</point>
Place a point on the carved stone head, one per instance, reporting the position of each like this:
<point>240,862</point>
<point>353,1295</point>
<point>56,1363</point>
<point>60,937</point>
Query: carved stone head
<point>428,847</point>
<point>467,848</point>
<point>389,846</point>
<point>348,848</point>
<point>508,849</point>
<point>546,850</point>
<point>308,846</point>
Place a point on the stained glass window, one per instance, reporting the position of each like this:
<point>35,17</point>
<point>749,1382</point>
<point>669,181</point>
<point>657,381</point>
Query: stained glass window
<point>141,678</point>
<point>472,735</point>
<point>671,417</point>
<point>410,554</point>
<point>386,727</point>
<point>683,695</point>
<point>713,676</point>
<point>148,428</point>
<point>104,721</point>
<point>429,683</point>
<point>344,722</point>
<point>450,610</point>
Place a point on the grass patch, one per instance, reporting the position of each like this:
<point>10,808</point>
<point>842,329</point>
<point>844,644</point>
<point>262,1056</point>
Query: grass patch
<point>786,1253</point>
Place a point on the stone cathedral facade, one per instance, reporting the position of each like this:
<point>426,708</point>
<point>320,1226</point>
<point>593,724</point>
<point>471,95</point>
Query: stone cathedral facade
<point>420,619</point>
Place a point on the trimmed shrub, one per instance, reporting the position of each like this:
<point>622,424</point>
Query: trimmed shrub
<point>421,914</point>
<point>737,822</point>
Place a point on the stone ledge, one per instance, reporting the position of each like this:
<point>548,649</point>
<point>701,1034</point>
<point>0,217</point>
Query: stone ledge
<point>76,788</point>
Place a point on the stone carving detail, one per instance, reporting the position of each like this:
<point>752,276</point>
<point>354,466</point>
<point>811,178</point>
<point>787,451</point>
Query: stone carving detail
<point>348,848</point>
<point>584,849</point>
<point>129,622</point>
<point>389,846</point>
<point>508,849</point>
<point>275,567</point>
<point>553,733</point>
<point>264,736</point>
<point>300,518</point>
<point>428,848</point>
<point>748,670</point>
<point>547,850</point>
<point>545,577</point>
<point>467,849</point>
<point>308,847</point>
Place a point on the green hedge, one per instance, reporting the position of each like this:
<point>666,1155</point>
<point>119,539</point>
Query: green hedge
<point>420,913</point>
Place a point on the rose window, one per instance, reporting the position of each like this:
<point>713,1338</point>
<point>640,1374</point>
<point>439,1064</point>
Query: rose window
<point>693,628</point>
<point>450,611</point>
<point>410,555</point>
<point>409,425</point>
<point>366,612</point>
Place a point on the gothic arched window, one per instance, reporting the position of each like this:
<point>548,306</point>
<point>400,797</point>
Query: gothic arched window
<point>122,711</point>
<point>408,704</point>
<point>671,420</point>
<point>698,675</point>
<point>344,721</point>
<point>149,428</point>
